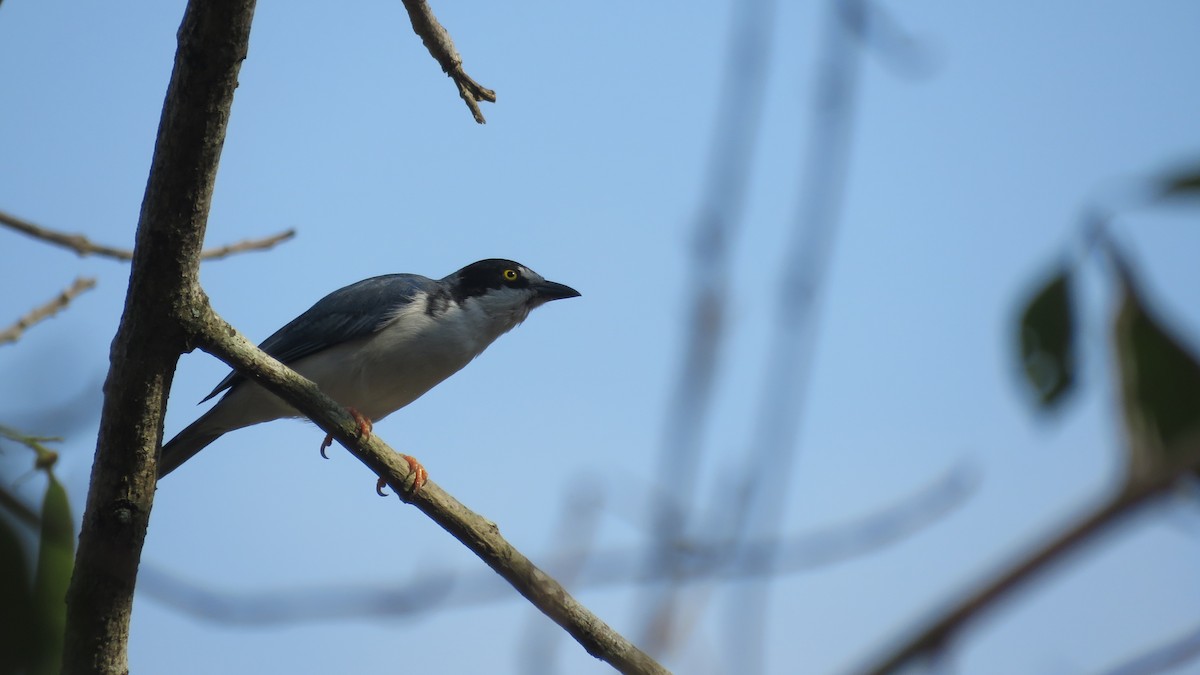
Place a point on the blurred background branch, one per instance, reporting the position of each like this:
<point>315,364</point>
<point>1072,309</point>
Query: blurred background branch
<point>83,246</point>
<point>577,559</point>
<point>715,228</point>
<point>47,310</point>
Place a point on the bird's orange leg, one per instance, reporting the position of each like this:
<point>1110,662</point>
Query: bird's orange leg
<point>365,426</point>
<point>364,429</point>
<point>419,476</point>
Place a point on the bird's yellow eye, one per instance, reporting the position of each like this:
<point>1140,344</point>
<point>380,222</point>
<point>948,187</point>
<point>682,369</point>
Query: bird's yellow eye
<point>510,275</point>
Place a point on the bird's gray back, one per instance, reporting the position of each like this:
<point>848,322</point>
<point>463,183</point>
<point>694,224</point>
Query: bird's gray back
<point>349,313</point>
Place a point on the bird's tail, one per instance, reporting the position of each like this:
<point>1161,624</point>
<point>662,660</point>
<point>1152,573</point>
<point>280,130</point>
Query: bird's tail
<point>197,436</point>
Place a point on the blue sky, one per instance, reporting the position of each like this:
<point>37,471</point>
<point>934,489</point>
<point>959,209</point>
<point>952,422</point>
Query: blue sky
<point>963,186</point>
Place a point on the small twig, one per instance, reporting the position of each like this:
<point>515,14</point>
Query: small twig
<point>45,457</point>
<point>247,245</point>
<point>83,246</point>
<point>76,242</point>
<point>43,312</point>
<point>441,48</point>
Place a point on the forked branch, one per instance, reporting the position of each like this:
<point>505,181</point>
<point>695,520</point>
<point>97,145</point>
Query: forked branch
<point>441,48</point>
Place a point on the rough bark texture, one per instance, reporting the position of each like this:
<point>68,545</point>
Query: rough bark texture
<point>212,44</point>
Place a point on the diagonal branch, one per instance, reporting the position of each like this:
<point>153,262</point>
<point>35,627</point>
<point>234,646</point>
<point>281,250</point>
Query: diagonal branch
<point>47,310</point>
<point>214,335</point>
<point>441,48</point>
<point>83,246</point>
<point>593,569</point>
<point>930,640</point>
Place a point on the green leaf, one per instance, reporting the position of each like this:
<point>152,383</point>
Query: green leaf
<point>1048,340</point>
<point>16,604</point>
<point>1160,388</point>
<point>56,558</point>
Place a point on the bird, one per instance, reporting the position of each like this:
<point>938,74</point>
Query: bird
<point>377,345</point>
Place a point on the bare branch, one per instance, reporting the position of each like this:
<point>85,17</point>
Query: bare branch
<point>214,335</point>
<point>247,245</point>
<point>703,562</point>
<point>579,522</point>
<point>83,246</point>
<point>213,39</point>
<point>43,312</point>
<point>441,48</point>
<point>932,639</point>
<point>78,243</point>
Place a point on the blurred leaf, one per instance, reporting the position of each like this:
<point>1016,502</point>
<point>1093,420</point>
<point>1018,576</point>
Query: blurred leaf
<point>17,509</point>
<point>16,604</point>
<point>1047,341</point>
<point>1183,184</point>
<point>55,561</point>
<point>1160,387</point>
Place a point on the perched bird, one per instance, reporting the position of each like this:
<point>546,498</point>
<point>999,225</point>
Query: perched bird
<point>378,345</point>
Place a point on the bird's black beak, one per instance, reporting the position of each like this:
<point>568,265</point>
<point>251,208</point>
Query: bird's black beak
<point>550,290</point>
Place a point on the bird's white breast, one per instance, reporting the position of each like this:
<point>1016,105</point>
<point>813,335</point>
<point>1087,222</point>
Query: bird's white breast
<point>415,350</point>
<point>385,371</point>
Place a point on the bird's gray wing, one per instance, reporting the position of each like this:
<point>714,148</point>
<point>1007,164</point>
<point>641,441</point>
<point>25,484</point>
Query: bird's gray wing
<point>345,314</point>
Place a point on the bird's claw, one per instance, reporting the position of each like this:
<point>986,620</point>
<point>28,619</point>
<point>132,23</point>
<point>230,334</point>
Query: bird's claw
<point>364,429</point>
<point>419,474</point>
<point>364,425</point>
<point>419,477</point>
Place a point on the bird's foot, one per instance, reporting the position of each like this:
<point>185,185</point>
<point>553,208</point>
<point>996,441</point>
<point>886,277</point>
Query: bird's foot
<point>419,476</point>
<point>364,429</point>
<point>364,424</point>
